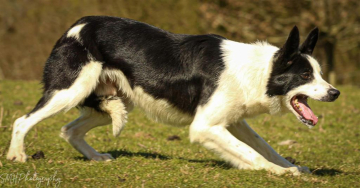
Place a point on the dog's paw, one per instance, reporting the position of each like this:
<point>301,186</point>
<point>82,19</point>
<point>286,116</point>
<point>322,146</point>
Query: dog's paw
<point>304,169</point>
<point>295,171</point>
<point>298,170</point>
<point>278,170</point>
<point>18,156</point>
<point>102,157</point>
<point>281,171</point>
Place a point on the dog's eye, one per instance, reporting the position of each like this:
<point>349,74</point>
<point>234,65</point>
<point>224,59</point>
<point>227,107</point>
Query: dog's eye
<point>306,75</point>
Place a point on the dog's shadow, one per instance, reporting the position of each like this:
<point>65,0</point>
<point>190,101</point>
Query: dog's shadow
<point>325,172</point>
<point>125,153</point>
<point>211,162</point>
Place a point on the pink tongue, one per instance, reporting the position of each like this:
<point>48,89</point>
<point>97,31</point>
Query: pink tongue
<point>306,111</point>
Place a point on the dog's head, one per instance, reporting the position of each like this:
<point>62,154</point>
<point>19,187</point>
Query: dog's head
<point>296,76</point>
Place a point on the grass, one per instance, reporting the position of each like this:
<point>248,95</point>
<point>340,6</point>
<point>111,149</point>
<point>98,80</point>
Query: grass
<point>145,158</point>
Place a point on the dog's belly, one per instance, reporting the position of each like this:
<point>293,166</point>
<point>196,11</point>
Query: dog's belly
<point>114,83</point>
<point>159,109</point>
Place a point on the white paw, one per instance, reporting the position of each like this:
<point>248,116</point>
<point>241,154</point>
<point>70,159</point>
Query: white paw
<point>298,170</point>
<point>304,169</point>
<point>15,155</point>
<point>295,171</point>
<point>102,157</point>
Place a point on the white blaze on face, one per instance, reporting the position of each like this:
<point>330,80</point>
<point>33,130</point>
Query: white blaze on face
<point>318,88</point>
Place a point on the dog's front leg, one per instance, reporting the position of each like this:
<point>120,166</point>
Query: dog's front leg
<point>244,133</point>
<point>238,153</point>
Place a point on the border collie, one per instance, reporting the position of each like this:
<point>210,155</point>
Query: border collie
<point>106,65</point>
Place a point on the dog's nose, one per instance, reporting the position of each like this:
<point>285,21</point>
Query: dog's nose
<point>333,93</point>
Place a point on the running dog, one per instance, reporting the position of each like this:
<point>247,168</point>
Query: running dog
<point>106,65</point>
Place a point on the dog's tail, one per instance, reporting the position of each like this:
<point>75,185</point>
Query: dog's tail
<point>117,111</point>
<point>111,106</point>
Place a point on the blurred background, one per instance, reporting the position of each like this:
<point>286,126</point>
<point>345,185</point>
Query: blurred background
<point>30,28</point>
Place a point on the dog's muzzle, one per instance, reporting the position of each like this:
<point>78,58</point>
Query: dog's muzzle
<point>332,95</point>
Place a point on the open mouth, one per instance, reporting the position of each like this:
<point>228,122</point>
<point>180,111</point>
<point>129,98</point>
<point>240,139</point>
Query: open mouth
<point>305,114</point>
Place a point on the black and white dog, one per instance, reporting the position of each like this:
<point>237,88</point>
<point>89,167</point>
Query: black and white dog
<point>107,65</point>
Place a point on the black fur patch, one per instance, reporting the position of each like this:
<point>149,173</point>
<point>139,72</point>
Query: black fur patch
<point>182,69</point>
<point>93,101</point>
<point>286,76</point>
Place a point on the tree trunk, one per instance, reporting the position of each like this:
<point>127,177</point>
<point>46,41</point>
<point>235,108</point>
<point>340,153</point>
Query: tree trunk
<point>329,47</point>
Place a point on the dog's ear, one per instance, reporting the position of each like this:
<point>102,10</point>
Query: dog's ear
<point>291,46</point>
<point>307,47</point>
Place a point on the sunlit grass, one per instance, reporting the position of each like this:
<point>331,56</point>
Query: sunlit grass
<point>144,156</point>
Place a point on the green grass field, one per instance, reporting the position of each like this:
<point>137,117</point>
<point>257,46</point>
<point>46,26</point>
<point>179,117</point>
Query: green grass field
<point>146,158</point>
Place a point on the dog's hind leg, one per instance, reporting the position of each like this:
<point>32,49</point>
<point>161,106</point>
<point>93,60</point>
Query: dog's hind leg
<point>52,102</point>
<point>112,109</point>
<point>75,131</point>
<point>243,132</point>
